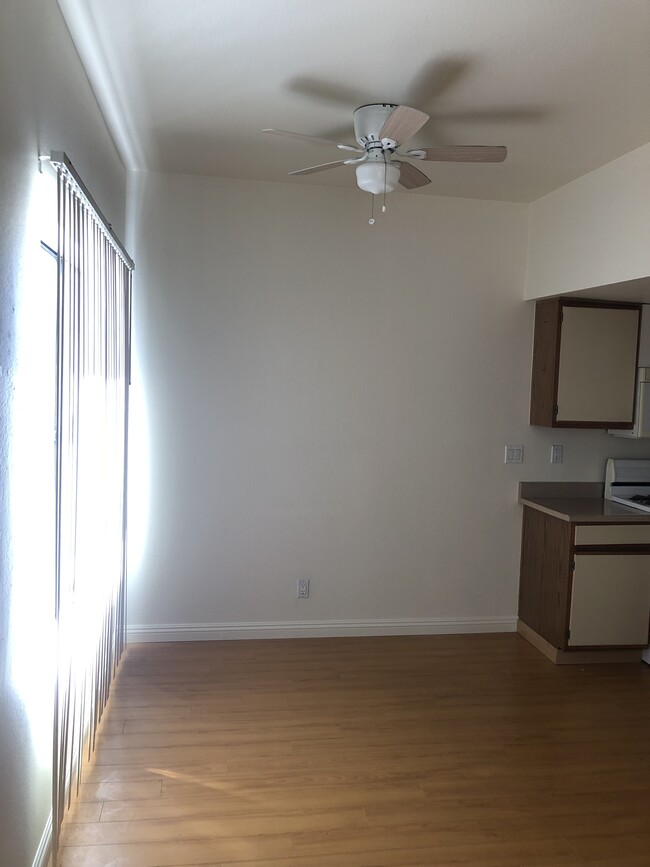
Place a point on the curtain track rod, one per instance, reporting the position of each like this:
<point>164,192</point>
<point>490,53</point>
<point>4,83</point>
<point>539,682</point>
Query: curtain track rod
<point>60,160</point>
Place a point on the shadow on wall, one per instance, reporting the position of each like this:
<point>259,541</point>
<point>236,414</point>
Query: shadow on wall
<point>139,472</point>
<point>139,477</point>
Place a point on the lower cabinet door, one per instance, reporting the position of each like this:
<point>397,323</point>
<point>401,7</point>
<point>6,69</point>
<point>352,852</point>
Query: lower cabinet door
<point>610,601</point>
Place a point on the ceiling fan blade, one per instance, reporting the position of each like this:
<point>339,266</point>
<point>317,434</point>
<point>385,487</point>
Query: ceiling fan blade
<point>321,168</point>
<point>402,123</point>
<point>285,133</point>
<point>410,177</point>
<point>338,133</point>
<point>461,154</point>
<point>353,161</point>
<point>435,78</point>
<point>514,114</point>
<point>328,91</point>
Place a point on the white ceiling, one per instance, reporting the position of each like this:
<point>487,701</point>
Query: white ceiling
<point>187,85</point>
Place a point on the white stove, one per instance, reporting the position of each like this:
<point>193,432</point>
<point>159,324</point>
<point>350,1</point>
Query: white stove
<point>628,482</point>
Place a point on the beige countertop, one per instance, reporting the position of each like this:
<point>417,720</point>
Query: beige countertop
<point>578,502</point>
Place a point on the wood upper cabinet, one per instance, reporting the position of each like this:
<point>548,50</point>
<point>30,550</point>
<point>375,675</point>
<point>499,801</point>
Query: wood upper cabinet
<point>584,363</point>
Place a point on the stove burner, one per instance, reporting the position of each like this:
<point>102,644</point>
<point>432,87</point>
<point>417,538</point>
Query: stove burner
<point>641,499</point>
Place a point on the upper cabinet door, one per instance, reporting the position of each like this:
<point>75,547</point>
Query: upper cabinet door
<point>597,370</point>
<point>584,364</point>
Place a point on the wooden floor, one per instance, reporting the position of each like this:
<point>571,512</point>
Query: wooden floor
<point>442,750</point>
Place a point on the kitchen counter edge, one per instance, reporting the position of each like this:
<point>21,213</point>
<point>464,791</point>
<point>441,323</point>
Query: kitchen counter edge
<point>578,503</point>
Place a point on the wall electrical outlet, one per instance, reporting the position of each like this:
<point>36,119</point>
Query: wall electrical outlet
<point>514,455</point>
<point>302,588</point>
<point>557,454</point>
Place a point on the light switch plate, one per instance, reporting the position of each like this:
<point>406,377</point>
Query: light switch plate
<point>557,454</point>
<point>514,455</point>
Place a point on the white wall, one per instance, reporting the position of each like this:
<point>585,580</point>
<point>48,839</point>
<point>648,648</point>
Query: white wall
<point>323,399</point>
<point>46,104</point>
<point>593,231</point>
<point>317,397</point>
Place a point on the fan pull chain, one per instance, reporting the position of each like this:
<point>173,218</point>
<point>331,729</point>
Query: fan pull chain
<point>383,204</point>
<point>371,221</point>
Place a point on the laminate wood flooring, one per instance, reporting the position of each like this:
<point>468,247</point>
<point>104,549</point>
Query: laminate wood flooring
<point>362,752</point>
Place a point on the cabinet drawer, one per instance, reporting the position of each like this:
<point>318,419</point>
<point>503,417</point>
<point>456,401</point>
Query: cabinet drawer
<point>613,534</point>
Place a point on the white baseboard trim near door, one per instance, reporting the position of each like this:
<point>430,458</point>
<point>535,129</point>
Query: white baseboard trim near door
<point>317,628</point>
<point>42,857</point>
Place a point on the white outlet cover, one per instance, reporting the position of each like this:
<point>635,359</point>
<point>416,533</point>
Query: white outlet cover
<point>514,455</point>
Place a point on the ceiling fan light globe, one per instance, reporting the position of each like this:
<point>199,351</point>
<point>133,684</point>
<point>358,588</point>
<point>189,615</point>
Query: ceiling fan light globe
<point>377,177</point>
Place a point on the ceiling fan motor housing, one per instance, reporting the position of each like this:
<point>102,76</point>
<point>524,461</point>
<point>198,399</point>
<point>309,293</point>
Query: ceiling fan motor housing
<point>368,121</point>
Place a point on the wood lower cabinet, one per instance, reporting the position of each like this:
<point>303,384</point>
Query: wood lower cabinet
<point>610,600</point>
<point>583,587</point>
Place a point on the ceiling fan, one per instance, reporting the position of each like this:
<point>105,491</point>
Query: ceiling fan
<point>380,129</point>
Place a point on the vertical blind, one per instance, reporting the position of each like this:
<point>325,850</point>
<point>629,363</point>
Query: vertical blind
<point>93,359</point>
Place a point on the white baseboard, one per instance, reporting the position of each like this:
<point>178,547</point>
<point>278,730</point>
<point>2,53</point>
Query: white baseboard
<point>42,857</point>
<point>317,628</point>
